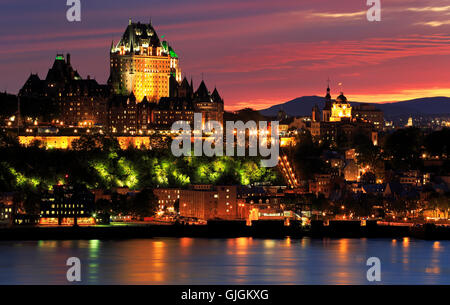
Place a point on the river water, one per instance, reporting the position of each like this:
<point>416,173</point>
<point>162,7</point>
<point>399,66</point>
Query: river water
<point>200,261</point>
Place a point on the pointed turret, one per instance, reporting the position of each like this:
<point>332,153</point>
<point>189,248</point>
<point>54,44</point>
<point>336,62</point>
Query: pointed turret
<point>327,108</point>
<point>185,90</point>
<point>33,85</point>
<point>132,98</point>
<point>202,91</point>
<point>216,96</point>
<point>328,95</point>
<point>173,86</point>
<point>144,102</point>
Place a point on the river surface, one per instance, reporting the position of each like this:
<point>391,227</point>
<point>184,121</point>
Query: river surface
<point>200,261</point>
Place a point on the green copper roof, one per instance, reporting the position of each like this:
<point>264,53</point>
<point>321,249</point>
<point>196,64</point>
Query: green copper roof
<point>172,53</point>
<point>165,46</point>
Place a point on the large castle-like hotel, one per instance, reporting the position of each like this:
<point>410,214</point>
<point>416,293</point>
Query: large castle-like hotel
<point>142,64</point>
<point>145,90</point>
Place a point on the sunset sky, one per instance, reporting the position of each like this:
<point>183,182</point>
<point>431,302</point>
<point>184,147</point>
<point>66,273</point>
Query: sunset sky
<point>257,52</point>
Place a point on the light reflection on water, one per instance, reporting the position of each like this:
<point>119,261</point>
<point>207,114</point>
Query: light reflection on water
<point>226,261</point>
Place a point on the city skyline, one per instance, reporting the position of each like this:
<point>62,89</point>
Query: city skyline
<point>256,54</point>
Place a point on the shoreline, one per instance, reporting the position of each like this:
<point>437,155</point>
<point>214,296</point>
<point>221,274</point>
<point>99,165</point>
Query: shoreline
<point>267,229</point>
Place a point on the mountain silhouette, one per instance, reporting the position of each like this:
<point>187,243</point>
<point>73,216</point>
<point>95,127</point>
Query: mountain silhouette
<point>302,106</point>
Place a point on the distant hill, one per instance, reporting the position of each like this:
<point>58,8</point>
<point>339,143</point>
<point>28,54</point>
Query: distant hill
<point>302,106</point>
<point>420,106</point>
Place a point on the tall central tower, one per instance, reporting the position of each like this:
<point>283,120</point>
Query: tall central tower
<point>142,64</point>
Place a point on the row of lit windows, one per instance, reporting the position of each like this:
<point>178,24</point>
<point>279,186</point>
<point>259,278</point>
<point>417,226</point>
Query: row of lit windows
<point>67,206</point>
<point>62,212</point>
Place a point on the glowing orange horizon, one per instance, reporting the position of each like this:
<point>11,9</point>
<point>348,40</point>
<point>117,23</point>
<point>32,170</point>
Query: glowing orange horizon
<point>378,98</point>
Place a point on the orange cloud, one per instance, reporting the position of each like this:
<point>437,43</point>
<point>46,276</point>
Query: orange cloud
<point>329,55</point>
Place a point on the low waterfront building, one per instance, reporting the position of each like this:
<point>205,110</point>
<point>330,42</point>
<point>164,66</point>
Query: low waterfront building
<point>6,207</point>
<point>168,198</point>
<point>209,202</point>
<point>274,206</point>
<point>5,213</point>
<point>67,205</point>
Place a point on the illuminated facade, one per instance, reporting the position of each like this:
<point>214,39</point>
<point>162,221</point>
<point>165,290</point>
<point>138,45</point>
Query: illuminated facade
<point>168,198</point>
<point>65,142</point>
<point>340,122</point>
<point>67,205</point>
<point>142,64</point>
<point>336,111</point>
<point>209,202</point>
<point>288,141</point>
<point>49,142</point>
<point>340,109</point>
